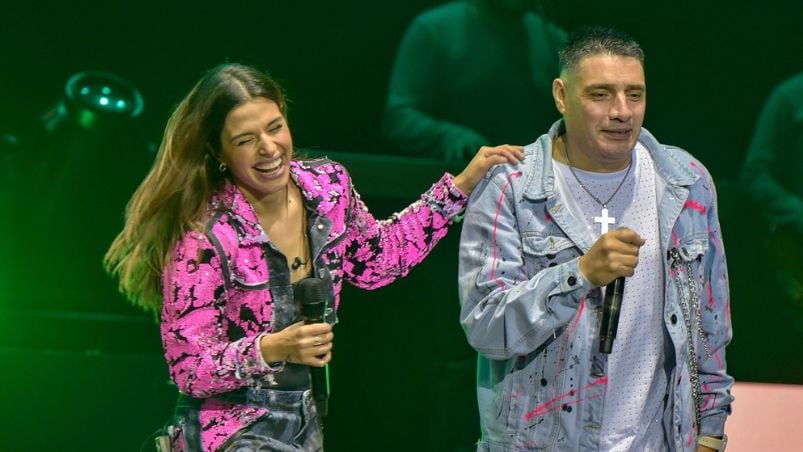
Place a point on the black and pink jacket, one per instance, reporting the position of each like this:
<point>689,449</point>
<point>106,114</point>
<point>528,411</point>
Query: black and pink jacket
<point>225,285</point>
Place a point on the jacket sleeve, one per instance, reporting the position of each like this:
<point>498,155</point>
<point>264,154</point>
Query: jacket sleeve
<point>201,360</point>
<point>506,308</point>
<point>379,252</point>
<point>715,383</point>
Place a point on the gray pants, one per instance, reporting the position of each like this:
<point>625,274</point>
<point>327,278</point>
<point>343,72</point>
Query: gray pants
<point>291,425</point>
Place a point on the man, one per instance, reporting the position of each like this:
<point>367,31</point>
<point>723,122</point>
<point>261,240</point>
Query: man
<point>597,198</point>
<point>459,61</point>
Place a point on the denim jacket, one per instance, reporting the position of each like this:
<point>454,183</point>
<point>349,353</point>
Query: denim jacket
<point>534,318</point>
<point>227,285</point>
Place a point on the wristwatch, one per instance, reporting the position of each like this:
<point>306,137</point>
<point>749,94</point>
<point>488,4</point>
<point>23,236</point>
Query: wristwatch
<point>718,444</point>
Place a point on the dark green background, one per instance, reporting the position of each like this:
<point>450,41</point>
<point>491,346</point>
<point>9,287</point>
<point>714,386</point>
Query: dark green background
<point>82,370</point>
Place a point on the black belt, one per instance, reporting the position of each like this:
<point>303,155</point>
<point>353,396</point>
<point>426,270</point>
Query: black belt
<point>294,377</point>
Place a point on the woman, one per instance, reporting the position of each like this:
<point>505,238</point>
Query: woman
<point>219,231</point>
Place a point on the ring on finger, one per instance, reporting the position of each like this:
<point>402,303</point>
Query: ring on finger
<point>317,341</point>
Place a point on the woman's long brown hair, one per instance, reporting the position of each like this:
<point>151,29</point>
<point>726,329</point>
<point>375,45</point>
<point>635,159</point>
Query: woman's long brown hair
<point>173,199</point>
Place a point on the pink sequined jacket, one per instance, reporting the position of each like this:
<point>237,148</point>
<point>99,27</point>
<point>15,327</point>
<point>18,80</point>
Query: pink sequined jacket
<point>224,285</point>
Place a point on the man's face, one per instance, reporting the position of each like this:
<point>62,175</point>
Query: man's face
<point>602,101</point>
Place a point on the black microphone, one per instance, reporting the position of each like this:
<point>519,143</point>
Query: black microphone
<point>610,314</point>
<point>310,291</point>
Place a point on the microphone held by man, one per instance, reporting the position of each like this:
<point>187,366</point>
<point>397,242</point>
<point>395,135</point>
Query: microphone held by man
<point>612,258</point>
<point>611,307</point>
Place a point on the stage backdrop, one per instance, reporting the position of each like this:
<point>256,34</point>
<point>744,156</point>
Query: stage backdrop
<point>83,370</point>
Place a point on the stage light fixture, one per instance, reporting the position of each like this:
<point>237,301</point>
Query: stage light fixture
<point>92,97</point>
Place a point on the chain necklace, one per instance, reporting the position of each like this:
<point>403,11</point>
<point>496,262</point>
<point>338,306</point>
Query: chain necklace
<point>604,220</point>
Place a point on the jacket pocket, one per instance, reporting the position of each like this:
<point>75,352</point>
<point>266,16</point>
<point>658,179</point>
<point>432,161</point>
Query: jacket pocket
<point>524,406</point>
<point>688,263</point>
<point>547,251</point>
<point>693,248</point>
<point>684,265</point>
<point>248,269</point>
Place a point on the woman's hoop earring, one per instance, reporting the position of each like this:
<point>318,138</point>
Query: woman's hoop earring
<point>222,167</point>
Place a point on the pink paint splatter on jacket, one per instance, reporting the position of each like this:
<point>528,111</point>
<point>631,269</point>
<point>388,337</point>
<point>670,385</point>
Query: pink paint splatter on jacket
<point>217,288</point>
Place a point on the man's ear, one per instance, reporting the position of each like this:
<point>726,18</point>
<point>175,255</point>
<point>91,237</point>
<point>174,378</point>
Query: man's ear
<point>559,94</point>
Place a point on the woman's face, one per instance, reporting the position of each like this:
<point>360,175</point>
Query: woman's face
<point>257,147</point>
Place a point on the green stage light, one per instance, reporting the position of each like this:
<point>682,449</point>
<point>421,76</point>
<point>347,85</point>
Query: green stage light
<point>94,96</point>
<point>77,165</point>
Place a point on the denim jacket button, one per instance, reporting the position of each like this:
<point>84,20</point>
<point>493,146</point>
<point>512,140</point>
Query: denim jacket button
<point>571,280</point>
<point>673,319</point>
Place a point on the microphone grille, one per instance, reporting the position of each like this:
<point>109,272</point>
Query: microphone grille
<point>310,292</point>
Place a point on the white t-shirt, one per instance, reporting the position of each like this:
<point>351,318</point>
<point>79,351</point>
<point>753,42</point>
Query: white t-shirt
<point>637,378</point>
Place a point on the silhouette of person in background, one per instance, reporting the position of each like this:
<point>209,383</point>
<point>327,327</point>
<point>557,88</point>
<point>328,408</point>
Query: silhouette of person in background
<point>771,177</point>
<point>772,283</point>
<point>469,73</point>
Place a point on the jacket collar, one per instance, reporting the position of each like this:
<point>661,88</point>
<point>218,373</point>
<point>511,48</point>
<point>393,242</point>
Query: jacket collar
<point>230,199</point>
<point>676,168</point>
<point>320,189</point>
<point>322,184</point>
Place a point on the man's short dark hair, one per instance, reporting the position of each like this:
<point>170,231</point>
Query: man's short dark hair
<point>597,40</point>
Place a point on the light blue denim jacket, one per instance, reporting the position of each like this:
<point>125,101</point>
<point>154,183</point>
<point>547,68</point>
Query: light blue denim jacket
<point>534,318</point>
